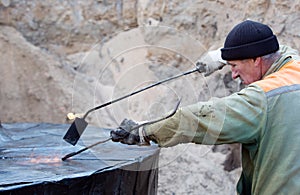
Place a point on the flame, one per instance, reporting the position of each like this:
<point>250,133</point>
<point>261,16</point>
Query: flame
<point>45,160</point>
<point>41,160</point>
<point>72,116</point>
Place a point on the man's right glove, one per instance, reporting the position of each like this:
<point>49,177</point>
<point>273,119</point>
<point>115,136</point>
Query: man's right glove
<point>126,134</point>
<point>210,62</point>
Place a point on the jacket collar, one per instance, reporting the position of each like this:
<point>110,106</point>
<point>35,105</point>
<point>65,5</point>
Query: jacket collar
<point>286,54</point>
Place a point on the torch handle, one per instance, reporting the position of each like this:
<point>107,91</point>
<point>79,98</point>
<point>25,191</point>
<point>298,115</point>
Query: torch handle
<point>140,90</point>
<point>84,149</point>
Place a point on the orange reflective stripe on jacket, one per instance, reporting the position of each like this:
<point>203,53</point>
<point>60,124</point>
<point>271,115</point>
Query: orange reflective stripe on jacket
<point>288,75</point>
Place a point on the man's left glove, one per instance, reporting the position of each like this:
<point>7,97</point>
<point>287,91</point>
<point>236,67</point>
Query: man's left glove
<point>127,134</point>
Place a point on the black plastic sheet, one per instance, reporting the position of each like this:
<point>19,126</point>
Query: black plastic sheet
<point>30,161</point>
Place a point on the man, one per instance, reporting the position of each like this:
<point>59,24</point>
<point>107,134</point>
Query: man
<point>263,117</point>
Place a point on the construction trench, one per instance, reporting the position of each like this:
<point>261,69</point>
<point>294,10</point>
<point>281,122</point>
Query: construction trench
<point>43,44</point>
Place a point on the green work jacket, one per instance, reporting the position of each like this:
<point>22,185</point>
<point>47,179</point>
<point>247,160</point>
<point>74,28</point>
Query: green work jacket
<point>263,117</point>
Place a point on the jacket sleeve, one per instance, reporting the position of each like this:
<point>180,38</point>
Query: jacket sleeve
<point>240,117</point>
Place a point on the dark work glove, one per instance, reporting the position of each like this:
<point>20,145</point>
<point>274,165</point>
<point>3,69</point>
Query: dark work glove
<point>126,135</point>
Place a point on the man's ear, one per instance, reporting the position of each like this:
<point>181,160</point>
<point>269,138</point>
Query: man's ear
<point>257,61</point>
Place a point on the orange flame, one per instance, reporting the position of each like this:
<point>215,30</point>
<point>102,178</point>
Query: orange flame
<point>45,160</point>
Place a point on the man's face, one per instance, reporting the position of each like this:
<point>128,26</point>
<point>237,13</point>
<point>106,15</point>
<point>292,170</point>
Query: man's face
<point>248,70</point>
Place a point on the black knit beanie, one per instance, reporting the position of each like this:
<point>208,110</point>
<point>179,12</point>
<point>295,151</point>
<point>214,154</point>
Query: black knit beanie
<point>249,39</point>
